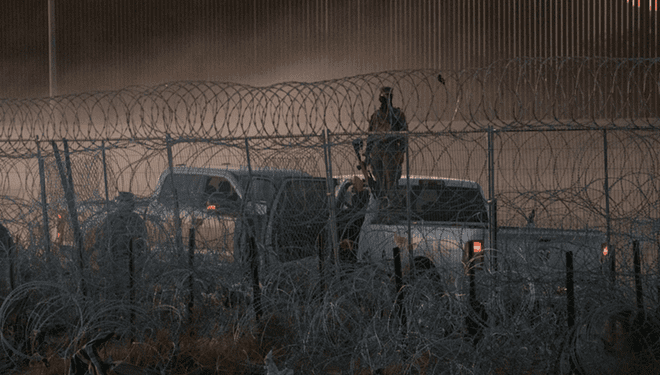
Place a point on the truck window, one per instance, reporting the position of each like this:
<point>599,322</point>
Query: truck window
<point>441,203</point>
<point>188,190</point>
<point>221,186</point>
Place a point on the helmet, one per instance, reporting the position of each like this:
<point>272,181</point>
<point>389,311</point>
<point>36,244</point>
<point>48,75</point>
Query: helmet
<point>386,92</point>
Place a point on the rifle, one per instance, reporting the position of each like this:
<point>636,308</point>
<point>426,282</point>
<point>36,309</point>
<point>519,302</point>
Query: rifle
<point>357,146</point>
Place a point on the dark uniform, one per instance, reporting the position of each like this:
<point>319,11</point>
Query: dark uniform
<point>6,242</point>
<point>385,152</point>
<point>7,251</point>
<point>120,244</point>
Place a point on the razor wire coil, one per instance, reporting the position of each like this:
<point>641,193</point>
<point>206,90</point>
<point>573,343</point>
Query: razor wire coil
<point>557,126</point>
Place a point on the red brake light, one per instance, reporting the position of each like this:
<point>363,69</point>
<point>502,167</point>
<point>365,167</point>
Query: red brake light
<point>210,207</point>
<point>477,247</point>
<point>605,250</point>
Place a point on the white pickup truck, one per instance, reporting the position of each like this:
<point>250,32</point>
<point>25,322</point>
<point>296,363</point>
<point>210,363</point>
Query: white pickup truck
<point>449,226</point>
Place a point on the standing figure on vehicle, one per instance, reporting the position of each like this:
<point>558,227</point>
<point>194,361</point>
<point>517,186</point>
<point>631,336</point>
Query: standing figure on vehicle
<point>119,245</point>
<point>385,151</point>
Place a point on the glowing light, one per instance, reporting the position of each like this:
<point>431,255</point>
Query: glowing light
<point>605,250</point>
<point>653,4</point>
<point>210,207</point>
<point>477,247</point>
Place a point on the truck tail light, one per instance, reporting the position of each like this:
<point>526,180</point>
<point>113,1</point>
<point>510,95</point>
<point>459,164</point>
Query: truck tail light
<point>473,256</point>
<point>604,249</point>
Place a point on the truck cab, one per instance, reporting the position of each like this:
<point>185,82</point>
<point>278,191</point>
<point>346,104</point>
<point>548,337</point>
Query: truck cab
<point>448,222</point>
<point>285,208</point>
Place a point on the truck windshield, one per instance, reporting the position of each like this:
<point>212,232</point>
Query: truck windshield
<point>441,203</point>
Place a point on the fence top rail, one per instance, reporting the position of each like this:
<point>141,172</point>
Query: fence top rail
<point>652,124</point>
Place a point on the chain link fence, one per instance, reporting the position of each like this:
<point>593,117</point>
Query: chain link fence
<point>562,151</point>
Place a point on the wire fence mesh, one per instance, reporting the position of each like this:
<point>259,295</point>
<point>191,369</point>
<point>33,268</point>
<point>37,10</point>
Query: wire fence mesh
<point>508,169</point>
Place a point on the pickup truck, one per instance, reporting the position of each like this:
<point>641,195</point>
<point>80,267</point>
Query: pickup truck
<point>288,209</point>
<point>449,231</point>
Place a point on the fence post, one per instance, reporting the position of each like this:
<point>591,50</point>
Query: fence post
<point>570,302</point>
<point>250,234</point>
<point>254,266</point>
<point>131,277</point>
<point>608,219</point>
<point>332,228</point>
<point>657,262</point>
<point>77,233</point>
<point>177,217</point>
<point>492,217</point>
<point>398,282</point>
<point>250,228</point>
<point>570,290</point>
<point>191,265</point>
<point>637,261</point>
<point>411,258</point>
<point>67,186</point>
<point>105,175</point>
<point>44,201</point>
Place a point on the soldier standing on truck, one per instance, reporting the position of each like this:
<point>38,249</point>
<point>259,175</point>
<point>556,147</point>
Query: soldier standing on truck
<point>385,151</point>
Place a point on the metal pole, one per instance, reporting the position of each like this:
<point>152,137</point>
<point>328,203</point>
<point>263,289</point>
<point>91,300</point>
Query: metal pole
<point>77,233</point>
<point>191,265</point>
<point>637,261</point>
<point>247,155</point>
<point>131,277</point>
<point>52,60</point>
<point>177,216</point>
<point>492,217</point>
<point>331,193</point>
<point>657,262</point>
<point>398,282</point>
<point>105,176</point>
<point>570,290</point>
<point>44,201</point>
<point>570,303</point>
<point>608,219</point>
<point>69,194</point>
<point>411,258</point>
<point>251,243</point>
<point>250,225</point>
<point>254,266</point>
